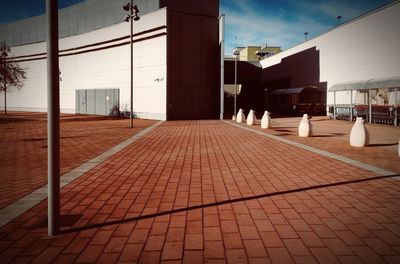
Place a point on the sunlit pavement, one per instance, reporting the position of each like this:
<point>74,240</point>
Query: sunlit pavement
<point>210,191</point>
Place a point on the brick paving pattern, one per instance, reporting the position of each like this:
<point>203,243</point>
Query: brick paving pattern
<point>23,147</point>
<point>118,212</point>
<point>333,136</point>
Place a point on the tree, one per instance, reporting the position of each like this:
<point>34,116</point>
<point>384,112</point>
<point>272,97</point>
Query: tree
<point>12,75</point>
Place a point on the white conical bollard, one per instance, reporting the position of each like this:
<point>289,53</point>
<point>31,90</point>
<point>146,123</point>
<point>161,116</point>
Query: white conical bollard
<point>398,149</point>
<point>359,134</point>
<point>240,116</point>
<point>251,118</point>
<point>305,127</point>
<point>266,121</point>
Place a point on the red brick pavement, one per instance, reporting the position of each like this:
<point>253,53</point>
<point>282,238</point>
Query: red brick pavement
<point>189,163</point>
<point>23,147</point>
<point>333,136</point>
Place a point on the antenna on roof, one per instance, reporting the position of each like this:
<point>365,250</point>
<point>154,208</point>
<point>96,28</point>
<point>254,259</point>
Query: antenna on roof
<point>338,18</point>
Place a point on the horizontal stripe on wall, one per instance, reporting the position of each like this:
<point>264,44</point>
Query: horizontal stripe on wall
<point>41,56</point>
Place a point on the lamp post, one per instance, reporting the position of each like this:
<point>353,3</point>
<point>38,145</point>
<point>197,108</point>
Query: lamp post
<point>236,54</point>
<point>132,16</point>
<point>53,118</point>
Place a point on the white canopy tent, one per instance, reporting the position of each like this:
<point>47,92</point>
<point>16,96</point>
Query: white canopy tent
<point>391,83</point>
<point>231,89</point>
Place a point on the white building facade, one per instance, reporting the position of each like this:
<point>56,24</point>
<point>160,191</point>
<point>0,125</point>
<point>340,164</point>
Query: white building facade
<point>94,59</point>
<point>365,48</point>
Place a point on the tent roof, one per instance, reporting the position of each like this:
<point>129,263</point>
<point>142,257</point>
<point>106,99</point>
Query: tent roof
<point>387,82</point>
<point>294,90</point>
<point>230,89</point>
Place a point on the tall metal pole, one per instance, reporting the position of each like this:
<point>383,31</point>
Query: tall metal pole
<point>131,20</point>
<point>395,107</point>
<point>53,118</point>
<point>234,104</point>
<point>222,43</point>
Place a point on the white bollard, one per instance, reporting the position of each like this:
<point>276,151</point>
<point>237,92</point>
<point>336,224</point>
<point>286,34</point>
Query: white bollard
<point>266,121</point>
<point>359,134</point>
<point>251,118</point>
<point>240,116</point>
<point>305,127</point>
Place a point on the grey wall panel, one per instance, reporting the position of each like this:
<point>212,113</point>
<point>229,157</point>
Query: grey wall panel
<point>108,14</point>
<point>91,102</point>
<point>73,28</point>
<point>63,30</point>
<point>96,101</point>
<point>81,102</point>
<point>112,99</point>
<point>100,108</point>
<point>77,19</point>
<point>99,19</point>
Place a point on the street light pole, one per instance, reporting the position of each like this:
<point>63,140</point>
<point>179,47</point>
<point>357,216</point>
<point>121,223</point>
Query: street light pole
<point>234,104</point>
<point>131,21</point>
<point>53,118</point>
<point>133,16</point>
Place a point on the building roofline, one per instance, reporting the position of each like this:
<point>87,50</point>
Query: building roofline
<point>376,10</point>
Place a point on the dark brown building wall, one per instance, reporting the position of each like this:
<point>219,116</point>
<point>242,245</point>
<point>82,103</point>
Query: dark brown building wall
<point>298,70</point>
<point>193,62</point>
<point>252,94</point>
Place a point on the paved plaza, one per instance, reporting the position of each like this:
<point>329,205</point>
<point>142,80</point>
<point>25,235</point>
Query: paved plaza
<point>218,192</point>
<point>23,147</point>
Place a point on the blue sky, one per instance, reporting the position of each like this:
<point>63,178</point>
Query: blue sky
<point>283,23</point>
<point>253,22</point>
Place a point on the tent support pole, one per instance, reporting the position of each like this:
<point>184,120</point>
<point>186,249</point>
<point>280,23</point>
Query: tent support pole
<point>351,105</point>
<point>334,105</point>
<point>369,106</point>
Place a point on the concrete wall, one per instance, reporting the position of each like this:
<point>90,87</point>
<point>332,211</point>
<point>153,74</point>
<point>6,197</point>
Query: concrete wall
<point>102,66</point>
<point>367,47</point>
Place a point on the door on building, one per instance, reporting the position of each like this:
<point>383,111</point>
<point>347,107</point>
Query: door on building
<point>96,101</point>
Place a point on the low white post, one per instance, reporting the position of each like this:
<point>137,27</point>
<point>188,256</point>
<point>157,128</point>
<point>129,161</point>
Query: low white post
<point>398,149</point>
<point>305,127</point>
<point>266,121</point>
<point>359,134</point>
<point>251,118</point>
<point>240,116</point>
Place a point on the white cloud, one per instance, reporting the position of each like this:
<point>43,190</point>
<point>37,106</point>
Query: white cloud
<point>332,9</point>
<point>285,24</point>
<point>254,28</point>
